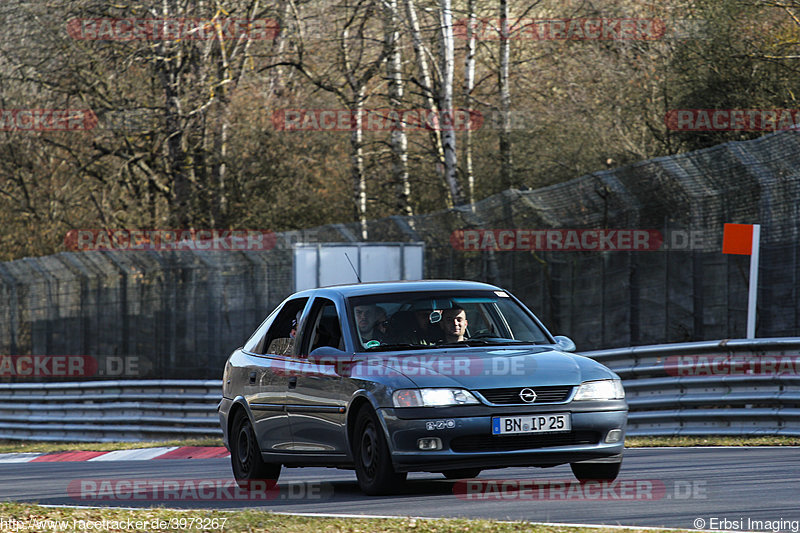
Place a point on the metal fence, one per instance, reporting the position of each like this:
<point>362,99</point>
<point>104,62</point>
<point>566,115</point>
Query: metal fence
<point>99,411</point>
<point>727,387</point>
<point>185,311</point>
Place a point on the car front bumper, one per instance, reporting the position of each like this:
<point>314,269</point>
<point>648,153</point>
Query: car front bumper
<point>467,441</point>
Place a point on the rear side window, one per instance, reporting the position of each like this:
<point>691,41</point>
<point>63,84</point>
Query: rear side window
<point>258,336</point>
<point>279,336</point>
<point>324,326</point>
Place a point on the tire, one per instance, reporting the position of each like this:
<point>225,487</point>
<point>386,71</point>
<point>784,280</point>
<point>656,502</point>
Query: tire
<point>462,473</point>
<point>249,468</point>
<point>374,470</point>
<point>596,471</point>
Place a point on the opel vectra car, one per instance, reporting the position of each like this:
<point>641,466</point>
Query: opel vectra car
<point>436,376</point>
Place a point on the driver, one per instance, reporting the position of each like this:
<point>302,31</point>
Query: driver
<point>454,324</point>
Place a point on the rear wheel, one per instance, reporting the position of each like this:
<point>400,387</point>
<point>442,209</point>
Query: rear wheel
<point>596,471</point>
<point>371,453</point>
<point>462,473</point>
<point>249,468</point>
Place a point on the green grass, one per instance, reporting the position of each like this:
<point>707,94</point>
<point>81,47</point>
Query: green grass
<point>644,442</point>
<point>258,521</point>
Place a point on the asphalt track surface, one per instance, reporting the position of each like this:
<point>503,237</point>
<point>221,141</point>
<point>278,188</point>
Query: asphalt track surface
<point>659,487</point>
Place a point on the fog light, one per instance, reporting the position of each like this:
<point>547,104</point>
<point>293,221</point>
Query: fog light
<point>614,436</point>
<point>433,443</point>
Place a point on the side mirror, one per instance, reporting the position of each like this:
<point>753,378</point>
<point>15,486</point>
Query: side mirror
<point>565,344</point>
<point>328,354</point>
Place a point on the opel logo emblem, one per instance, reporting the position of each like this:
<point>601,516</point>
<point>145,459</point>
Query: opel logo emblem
<point>527,395</point>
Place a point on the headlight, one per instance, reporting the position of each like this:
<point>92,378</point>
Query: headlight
<point>604,389</point>
<point>432,397</point>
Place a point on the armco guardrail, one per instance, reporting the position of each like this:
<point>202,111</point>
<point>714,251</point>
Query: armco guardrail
<point>96,411</point>
<point>727,387</point>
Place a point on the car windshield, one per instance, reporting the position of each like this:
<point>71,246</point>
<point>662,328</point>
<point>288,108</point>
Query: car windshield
<point>383,322</point>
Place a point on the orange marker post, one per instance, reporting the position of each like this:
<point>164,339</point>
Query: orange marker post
<point>743,239</point>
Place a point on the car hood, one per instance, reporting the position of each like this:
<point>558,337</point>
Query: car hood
<point>492,367</point>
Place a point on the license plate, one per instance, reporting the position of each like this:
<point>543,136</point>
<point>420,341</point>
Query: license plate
<point>544,423</point>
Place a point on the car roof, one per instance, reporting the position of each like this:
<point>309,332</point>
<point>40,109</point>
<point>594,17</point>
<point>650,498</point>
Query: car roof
<point>384,287</point>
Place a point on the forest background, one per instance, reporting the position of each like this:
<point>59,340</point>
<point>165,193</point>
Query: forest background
<point>194,130</point>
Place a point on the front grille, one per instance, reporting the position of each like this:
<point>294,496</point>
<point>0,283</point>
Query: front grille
<point>492,443</point>
<point>510,396</point>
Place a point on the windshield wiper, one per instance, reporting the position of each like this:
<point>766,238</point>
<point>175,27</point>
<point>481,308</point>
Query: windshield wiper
<point>397,346</point>
<point>483,342</point>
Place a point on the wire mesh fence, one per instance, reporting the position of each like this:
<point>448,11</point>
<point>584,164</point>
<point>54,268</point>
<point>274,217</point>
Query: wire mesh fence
<point>178,314</point>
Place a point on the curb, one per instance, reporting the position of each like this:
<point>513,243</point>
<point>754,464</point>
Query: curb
<point>140,454</point>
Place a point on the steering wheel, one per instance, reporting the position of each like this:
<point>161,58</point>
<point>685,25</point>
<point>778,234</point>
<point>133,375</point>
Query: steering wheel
<point>482,334</point>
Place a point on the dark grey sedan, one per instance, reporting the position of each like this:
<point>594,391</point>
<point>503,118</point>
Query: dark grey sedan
<point>436,376</point>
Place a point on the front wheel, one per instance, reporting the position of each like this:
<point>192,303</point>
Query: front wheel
<point>596,471</point>
<point>373,462</point>
<point>249,468</point>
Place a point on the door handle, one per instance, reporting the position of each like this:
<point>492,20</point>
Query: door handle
<point>292,382</point>
<point>252,378</point>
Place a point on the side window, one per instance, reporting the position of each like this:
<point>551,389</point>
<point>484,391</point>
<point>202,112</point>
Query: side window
<point>325,328</point>
<point>279,338</point>
<point>256,338</point>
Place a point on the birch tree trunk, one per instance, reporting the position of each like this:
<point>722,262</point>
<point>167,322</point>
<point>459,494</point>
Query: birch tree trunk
<point>277,75</point>
<point>357,162</point>
<point>446,116</point>
<point>506,163</point>
<point>469,85</point>
<point>169,63</point>
<point>349,81</point>
<point>426,85</point>
<point>399,139</point>
<point>356,106</point>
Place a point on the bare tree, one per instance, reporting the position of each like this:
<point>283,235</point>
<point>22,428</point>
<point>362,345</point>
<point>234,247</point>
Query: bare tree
<point>446,112</point>
<point>469,86</point>
<point>426,86</point>
<point>356,65</point>
<point>506,163</point>
<point>399,139</point>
